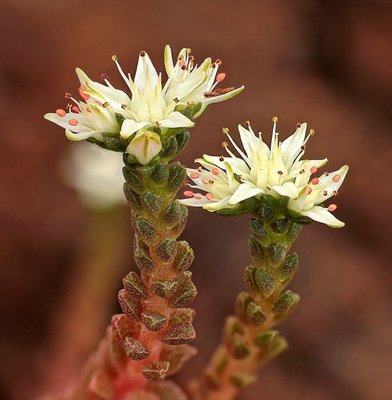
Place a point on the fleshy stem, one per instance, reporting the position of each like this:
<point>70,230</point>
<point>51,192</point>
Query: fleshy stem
<point>248,339</point>
<point>155,324</point>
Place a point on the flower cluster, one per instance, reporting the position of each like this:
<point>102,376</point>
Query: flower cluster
<point>149,105</point>
<point>277,170</point>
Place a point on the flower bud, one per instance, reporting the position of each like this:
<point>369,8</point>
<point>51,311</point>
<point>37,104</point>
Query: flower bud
<point>145,146</point>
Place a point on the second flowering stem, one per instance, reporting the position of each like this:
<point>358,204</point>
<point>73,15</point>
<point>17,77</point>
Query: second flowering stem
<point>248,338</point>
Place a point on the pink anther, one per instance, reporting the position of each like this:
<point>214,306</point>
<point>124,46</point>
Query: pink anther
<point>60,112</point>
<point>336,178</point>
<point>209,196</point>
<point>188,193</point>
<point>220,77</point>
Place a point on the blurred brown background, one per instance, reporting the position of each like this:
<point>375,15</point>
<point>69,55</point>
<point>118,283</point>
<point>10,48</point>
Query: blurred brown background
<point>325,62</point>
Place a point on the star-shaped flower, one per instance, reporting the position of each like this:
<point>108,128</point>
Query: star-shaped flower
<point>149,104</point>
<point>277,170</point>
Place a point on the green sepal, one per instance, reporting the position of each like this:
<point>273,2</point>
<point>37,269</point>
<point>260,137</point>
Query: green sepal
<point>173,214</point>
<point>289,267</point>
<point>276,252</point>
<point>165,289</point>
<point>257,228</point>
<point>156,371</point>
<point>119,118</point>
<point>184,257</point>
<point>180,333</point>
<point>133,180</point>
<point>177,176</point>
<point>191,110</point>
<point>151,202</point>
<point>153,321</point>
<point>254,314</point>
<point>135,349</point>
<point>256,249</point>
<point>250,278</point>
<point>170,147</point>
<point>160,173</point>
<point>186,291</point>
<point>242,380</point>
<point>132,197</point>
<point>167,250</point>
<point>114,142</point>
<point>265,282</point>
<point>237,346</point>
<point>146,231</point>
<point>285,302</point>
<point>280,225</point>
<point>129,304</point>
<point>182,140</point>
<point>276,347</point>
<point>264,339</point>
<point>142,257</point>
<point>242,301</point>
<point>133,285</point>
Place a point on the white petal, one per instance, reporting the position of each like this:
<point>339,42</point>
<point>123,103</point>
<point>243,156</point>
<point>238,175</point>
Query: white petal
<point>83,135</point>
<point>327,184</point>
<point>218,205</point>
<point>64,121</point>
<point>168,60</point>
<point>249,141</point>
<point>322,215</point>
<point>288,189</point>
<point>306,165</point>
<point>129,127</point>
<point>218,99</point>
<point>210,162</point>
<point>145,72</point>
<point>232,181</point>
<point>240,152</point>
<point>240,167</point>
<point>291,147</point>
<point>145,146</point>
<point>102,92</point>
<point>244,191</point>
<point>176,120</point>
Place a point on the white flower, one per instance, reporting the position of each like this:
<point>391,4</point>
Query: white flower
<point>84,120</point>
<point>317,191</point>
<point>145,146</point>
<point>96,175</point>
<point>149,103</point>
<point>190,83</point>
<point>277,170</point>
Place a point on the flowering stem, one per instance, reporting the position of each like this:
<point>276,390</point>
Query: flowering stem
<point>248,339</point>
<point>153,302</point>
